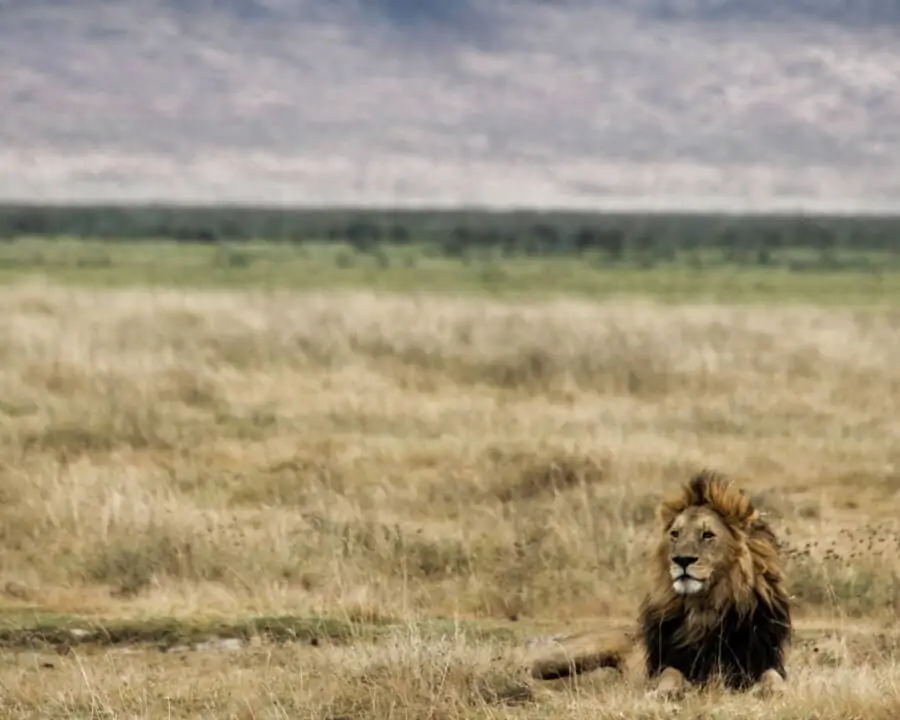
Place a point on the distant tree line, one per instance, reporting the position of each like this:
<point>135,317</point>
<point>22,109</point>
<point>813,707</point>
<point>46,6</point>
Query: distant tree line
<point>615,236</point>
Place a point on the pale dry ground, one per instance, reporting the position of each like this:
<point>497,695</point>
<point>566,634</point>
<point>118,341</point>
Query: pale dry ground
<point>372,458</point>
<point>404,677</point>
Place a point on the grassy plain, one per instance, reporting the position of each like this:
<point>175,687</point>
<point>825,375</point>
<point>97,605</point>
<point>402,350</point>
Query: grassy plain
<point>703,276</point>
<point>245,503</point>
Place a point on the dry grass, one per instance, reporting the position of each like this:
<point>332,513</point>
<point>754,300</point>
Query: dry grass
<point>375,460</point>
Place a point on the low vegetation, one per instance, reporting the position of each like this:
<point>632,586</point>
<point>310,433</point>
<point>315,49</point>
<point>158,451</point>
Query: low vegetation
<point>855,278</point>
<point>636,238</point>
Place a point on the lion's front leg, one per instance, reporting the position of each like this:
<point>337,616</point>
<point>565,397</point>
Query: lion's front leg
<point>671,684</point>
<point>771,683</point>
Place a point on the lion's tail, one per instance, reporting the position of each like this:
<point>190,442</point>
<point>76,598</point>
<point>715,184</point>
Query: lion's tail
<point>581,653</point>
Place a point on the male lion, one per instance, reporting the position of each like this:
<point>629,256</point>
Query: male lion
<point>717,608</point>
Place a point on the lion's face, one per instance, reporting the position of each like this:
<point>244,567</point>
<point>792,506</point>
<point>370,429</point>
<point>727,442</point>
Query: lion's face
<point>715,553</point>
<point>701,551</point>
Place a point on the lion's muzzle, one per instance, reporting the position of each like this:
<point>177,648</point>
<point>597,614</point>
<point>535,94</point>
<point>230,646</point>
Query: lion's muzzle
<point>684,581</point>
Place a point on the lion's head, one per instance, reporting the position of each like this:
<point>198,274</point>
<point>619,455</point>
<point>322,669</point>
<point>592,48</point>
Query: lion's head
<point>715,551</point>
<point>716,578</point>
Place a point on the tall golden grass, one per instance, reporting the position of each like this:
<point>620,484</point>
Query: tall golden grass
<point>397,458</point>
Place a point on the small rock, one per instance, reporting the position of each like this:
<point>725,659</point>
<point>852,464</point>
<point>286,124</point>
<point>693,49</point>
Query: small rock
<point>176,649</point>
<point>542,640</point>
<point>226,644</point>
<point>231,644</point>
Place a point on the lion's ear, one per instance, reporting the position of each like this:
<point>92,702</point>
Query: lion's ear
<point>665,515</point>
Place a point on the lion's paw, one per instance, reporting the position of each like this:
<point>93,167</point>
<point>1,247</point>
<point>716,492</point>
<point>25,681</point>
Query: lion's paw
<point>670,686</point>
<point>770,685</point>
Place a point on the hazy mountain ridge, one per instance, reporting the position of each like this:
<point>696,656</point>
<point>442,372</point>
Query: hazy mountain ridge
<point>848,13</point>
<point>450,13</point>
<point>483,102</point>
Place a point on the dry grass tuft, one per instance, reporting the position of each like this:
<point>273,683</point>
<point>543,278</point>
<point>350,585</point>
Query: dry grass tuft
<point>378,458</point>
<point>523,475</point>
<point>447,678</point>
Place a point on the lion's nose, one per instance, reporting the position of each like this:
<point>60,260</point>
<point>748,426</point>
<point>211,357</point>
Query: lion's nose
<point>685,561</point>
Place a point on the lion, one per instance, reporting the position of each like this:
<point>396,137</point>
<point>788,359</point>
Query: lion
<point>717,608</point>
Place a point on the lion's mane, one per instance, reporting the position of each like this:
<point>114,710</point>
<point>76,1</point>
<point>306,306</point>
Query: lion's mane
<point>743,626</point>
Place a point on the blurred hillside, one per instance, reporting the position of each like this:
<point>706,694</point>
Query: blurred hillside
<point>508,101</point>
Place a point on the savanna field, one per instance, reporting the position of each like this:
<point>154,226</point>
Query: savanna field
<point>320,499</point>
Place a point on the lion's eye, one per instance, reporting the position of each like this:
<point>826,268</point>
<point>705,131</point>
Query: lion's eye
<point>708,534</point>
<point>674,534</point>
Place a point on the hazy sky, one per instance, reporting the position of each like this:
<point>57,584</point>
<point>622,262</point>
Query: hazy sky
<point>507,102</point>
